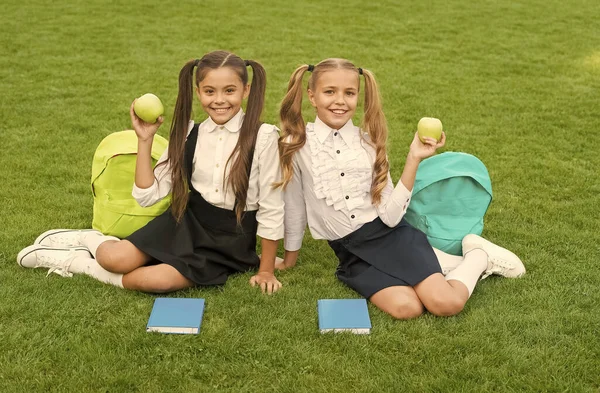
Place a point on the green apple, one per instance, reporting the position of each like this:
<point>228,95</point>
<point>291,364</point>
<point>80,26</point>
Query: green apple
<point>429,127</point>
<point>148,108</point>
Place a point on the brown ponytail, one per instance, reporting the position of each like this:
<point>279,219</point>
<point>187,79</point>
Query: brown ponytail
<point>238,175</point>
<point>293,128</point>
<point>177,137</point>
<point>375,125</point>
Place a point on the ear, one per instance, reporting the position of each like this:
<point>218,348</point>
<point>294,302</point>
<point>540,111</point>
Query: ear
<point>246,91</point>
<point>311,98</point>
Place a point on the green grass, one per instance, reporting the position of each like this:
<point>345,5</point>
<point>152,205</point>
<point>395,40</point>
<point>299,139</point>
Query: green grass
<point>516,83</point>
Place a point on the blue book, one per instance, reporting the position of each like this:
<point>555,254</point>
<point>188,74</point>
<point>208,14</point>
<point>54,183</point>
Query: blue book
<point>344,315</point>
<point>176,315</point>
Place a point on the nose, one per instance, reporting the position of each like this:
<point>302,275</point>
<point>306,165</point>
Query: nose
<point>339,98</point>
<point>220,98</point>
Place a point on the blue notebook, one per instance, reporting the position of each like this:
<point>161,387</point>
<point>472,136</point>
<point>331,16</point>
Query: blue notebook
<point>344,315</point>
<point>176,315</point>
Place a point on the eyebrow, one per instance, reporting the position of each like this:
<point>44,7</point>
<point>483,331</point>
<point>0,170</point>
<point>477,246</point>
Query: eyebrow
<point>336,87</point>
<point>211,87</point>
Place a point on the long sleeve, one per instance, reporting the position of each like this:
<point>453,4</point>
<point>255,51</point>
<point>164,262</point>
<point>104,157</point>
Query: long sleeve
<point>394,202</point>
<point>270,213</point>
<point>295,211</point>
<point>159,189</point>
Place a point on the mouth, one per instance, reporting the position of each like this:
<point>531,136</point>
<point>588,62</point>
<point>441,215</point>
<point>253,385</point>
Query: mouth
<point>339,112</point>
<point>221,111</point>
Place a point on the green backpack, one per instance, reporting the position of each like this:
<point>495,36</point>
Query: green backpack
<point>116,213</point>
<point>451,195</point>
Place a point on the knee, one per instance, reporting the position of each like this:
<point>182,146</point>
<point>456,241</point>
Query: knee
<point>405,308</point>
<point>109,257</point>
<point>445,306</point>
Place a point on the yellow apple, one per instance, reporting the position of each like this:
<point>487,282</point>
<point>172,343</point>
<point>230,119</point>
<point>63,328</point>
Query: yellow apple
<point>429,127</point>
<point>148,108</point>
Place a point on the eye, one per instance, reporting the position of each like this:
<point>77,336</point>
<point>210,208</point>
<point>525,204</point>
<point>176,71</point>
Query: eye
<point>328,91</point>
<point>230,90</point>
<point>350,93</point>
<point>208,91</point>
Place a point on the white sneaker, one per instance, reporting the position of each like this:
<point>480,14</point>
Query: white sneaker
<point>500,261</point>
<point>57,260</point>
<point>63,237</point>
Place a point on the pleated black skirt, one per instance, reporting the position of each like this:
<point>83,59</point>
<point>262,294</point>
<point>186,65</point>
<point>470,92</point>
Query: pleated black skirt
<point>376,256</point>
<point>206,246</point>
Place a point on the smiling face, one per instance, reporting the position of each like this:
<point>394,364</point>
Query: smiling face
<point>221,93</point>
<point>335,96</point>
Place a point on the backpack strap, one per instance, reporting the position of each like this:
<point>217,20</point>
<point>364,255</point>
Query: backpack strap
<point>250,159</point>
<point>190,148</point>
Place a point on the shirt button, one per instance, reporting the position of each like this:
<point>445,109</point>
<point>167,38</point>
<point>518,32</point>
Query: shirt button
<point>335,134</point>
<point>342,174</point>
<point>337,151</point>
<point>217,165</point>
<point>220,139</point>
<point>347,197</point>
<point>352,216</point>
<point>220,128</point>
<point>216,190</point>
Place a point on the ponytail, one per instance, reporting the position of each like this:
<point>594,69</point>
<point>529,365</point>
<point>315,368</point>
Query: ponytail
<point>178,135</point>
<point>375,125</point>
<point>240,168</point>
<point>293,132</point>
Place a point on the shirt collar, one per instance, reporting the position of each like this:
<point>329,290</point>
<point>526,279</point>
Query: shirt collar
<point>233,125</point>
<point>323,130</point>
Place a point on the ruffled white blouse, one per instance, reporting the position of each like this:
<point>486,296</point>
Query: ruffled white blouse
<point>331,186</point>
<point>214,146</point>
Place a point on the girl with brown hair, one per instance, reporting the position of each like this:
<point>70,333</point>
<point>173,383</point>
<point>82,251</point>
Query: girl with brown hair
<point>336,179</point>
<point>220,173</point>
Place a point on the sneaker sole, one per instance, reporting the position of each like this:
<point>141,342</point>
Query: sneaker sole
<point>36,247</point>
<point>51,232</point>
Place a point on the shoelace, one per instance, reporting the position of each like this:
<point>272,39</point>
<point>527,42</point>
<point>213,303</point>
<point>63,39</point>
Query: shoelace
<point>498,266</point>
<point>65,241</point>
<point>60,267</point>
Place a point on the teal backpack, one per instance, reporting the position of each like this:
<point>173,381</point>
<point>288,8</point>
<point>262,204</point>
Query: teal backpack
<point>451,195</point>
<point>116,212</point>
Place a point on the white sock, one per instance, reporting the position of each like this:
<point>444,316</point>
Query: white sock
<point>469,271</point>
<point>92,241</point>
<point>448,262</point>
<point>92,268</point>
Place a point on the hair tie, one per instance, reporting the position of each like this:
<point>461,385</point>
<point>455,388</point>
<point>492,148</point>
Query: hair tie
<point>360,71</point>
<point>196,62</point>
<point>247,62</point>
<point>311,68</point>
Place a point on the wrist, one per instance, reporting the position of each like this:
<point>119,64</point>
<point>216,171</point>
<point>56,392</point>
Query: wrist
<point>412,158</point>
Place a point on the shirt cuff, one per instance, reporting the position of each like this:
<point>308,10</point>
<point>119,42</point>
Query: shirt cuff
<point>293,242</point>
<point>145,196</point>
<point>401,196</point>
<point>270,233</point>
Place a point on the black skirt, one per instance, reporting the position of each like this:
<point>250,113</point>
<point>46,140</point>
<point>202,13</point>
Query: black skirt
<point>376,256</point>
<point>207,245</point>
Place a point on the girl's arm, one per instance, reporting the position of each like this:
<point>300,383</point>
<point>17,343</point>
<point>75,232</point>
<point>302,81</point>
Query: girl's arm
<point>395,201</point>
<point>295,219</point>
<point>270,208</point>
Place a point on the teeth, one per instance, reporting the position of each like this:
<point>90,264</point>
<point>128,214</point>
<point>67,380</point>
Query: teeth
<point>338,111</point>
<point>221,110</point>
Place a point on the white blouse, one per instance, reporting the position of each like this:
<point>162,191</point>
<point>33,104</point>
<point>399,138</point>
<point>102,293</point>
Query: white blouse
<point>331,187</point>
<point>214,146</point>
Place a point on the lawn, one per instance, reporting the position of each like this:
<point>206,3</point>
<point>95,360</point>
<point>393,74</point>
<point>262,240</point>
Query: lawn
<point>516,83</point>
